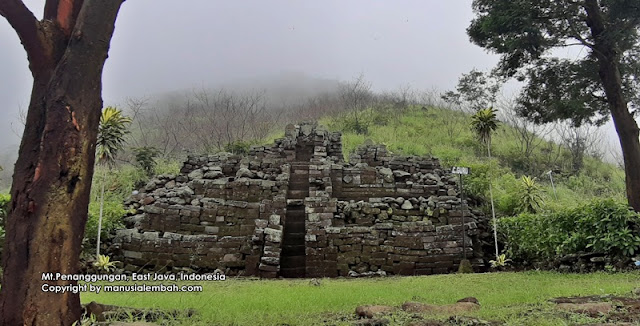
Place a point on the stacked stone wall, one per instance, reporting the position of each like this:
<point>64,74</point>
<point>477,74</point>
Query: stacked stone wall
<point>222,212</point>
<point>376,213</point>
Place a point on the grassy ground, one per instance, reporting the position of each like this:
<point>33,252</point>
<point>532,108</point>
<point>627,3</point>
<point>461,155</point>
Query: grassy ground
<point>515,298</point>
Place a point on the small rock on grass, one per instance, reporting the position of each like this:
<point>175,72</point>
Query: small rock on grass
<point>463,305</point>
<point>370,311</point>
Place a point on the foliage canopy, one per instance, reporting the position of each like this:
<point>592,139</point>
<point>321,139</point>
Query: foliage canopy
<point>527,32</point>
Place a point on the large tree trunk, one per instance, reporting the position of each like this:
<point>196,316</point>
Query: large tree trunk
<point>626,126</point>
<point>53,173</point>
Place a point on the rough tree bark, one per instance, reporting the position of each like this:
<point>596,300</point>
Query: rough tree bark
<point>623,120</point>
<point>52,178</point>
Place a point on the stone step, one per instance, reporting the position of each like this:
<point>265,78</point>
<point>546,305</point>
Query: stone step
<point>298,185</point>
<point>295,220</point>
<point>299,182</point>
<point>295,203</point>
<point>297,194</point>
<point>295,227</point>
<point>299,188</point>
<point>293,251</point>
<point>292,258</point>
<point>292,261</point>
<point>300,163</point>
<point>294,272</point>
<point>296,214</point>
<point>293,238</point>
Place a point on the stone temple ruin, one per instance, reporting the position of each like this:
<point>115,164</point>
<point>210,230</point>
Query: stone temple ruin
<point>296,209</point>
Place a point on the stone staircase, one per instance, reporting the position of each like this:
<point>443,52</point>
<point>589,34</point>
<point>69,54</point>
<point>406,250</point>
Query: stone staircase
<point>293,259</point>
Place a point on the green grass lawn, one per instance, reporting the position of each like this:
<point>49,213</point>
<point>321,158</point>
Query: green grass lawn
<point>517,298</point>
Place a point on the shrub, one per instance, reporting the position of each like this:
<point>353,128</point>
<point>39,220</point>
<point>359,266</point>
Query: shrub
<point>361,122</point>
<point>505,194</point>
<point>238,147</point>
<point>4,206</point>
<point>168,166</point>
<point>529,195</point>
<point>146,158</point>
<point>1,241</point>
<point>357,124</point>
<point>113,211</point>
<point>104,264</point>
<point>4,203</point>
<point>601,226</point>
<point>120,181</point>
<point>447,154</point>
<point>477,182</point>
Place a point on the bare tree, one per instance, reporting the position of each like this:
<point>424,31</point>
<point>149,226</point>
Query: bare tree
<point>356,97</point>
<point>616,156</point>
<point>403,98</point>
<point>453,117</point>
<point>136,107</point>
<point>430,98</point>
<point>528,135</point>
<point>205,120</point>
<point>156,128</point>
<point>580,141</point>
<point>313,108</point>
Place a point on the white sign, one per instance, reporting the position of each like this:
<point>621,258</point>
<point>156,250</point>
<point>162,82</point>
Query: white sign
<point>460,170</point>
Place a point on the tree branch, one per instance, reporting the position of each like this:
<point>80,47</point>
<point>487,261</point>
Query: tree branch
<point>64,13</point>
<point>26,26</point>
<point>51,9</point>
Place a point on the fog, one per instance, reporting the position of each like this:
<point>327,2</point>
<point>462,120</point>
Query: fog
<point>161,47</point>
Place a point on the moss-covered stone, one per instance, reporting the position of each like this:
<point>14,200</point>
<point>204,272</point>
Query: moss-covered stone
<point>465,267</point>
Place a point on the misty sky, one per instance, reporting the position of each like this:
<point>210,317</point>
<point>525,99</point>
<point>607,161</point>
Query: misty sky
<point>160,46</point>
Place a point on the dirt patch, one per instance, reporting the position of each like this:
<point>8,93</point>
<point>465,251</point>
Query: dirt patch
<point>592,309</point>
<point>116,315</point>
<point>463,305</point>
<point>449,309</point>
<point>421,314</point>
<point>616,310</point>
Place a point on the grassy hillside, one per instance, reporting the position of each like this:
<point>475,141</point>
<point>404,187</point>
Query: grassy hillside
<point>447,135</point>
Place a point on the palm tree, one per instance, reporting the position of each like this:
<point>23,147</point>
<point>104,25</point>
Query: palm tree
<point>113,128</point>
<point>484,122</point>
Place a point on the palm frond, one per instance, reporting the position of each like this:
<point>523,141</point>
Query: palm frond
<point>113,129</point>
